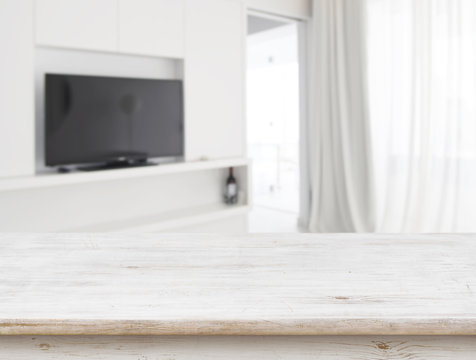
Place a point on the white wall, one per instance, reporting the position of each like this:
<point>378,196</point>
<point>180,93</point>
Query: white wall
<point>16,88</point>
<point>300,9</point>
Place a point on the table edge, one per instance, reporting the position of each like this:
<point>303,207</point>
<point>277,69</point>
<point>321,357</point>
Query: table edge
<point>303,327</point>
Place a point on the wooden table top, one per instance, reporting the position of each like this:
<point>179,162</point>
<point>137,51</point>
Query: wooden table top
<point>299,284</point>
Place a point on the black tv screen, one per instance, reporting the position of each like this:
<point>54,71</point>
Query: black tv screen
<point>92,119</point>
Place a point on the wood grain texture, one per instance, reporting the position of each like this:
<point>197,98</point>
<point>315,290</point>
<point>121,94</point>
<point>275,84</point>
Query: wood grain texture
<point>237,347</point>
<point>161,284</point>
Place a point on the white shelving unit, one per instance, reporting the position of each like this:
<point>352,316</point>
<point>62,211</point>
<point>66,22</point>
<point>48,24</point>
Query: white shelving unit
<point>172,220</point>
<point>55,179</point>
<point>178,197</point>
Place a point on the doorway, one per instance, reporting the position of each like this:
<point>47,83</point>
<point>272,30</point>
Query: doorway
<point>273,122</point>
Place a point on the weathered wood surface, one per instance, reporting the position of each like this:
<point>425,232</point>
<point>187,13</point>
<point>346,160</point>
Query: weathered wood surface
<point>237,348</point>
<point>158,284</point>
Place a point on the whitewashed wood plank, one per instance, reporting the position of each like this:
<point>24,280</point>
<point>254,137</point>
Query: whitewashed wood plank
<point>231,348</point>
<point>163,284</point>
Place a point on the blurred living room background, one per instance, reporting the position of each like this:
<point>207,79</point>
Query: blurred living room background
<point>236,116</point>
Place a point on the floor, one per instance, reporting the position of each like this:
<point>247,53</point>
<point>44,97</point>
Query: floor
<point>264,219</point>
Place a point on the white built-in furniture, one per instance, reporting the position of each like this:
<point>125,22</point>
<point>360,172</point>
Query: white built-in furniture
<point>201,42</point>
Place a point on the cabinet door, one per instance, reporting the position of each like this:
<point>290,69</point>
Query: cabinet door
<point>152,27</point>
<point>214,79</point>
<point>82,24</point>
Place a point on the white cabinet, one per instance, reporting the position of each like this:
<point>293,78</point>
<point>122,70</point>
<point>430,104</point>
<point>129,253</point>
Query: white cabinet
<point>208,34</point>
<point>144,27</point>
<point>214,79</point>
<point>16,88</point>
<point>152,27</point>
<point>83,24</point>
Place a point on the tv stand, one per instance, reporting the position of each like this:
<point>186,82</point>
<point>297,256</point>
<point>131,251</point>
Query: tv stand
<point>118,164</point>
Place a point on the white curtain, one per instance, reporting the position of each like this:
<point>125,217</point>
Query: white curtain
<point>341,177</point>
<point>393,130</point>
<point>422,100</point>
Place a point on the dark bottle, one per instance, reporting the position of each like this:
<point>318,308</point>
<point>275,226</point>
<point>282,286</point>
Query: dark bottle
<point>231,190</point>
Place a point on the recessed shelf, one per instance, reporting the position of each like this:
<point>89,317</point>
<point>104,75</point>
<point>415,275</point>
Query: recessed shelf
<point>170,220</point>
<point>56,179</point>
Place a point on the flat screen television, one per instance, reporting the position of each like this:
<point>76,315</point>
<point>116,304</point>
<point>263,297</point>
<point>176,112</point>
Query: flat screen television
<point>108,120</point>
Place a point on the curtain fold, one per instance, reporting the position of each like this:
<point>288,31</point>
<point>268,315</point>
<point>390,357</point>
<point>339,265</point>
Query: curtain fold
<point>341,172</point>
